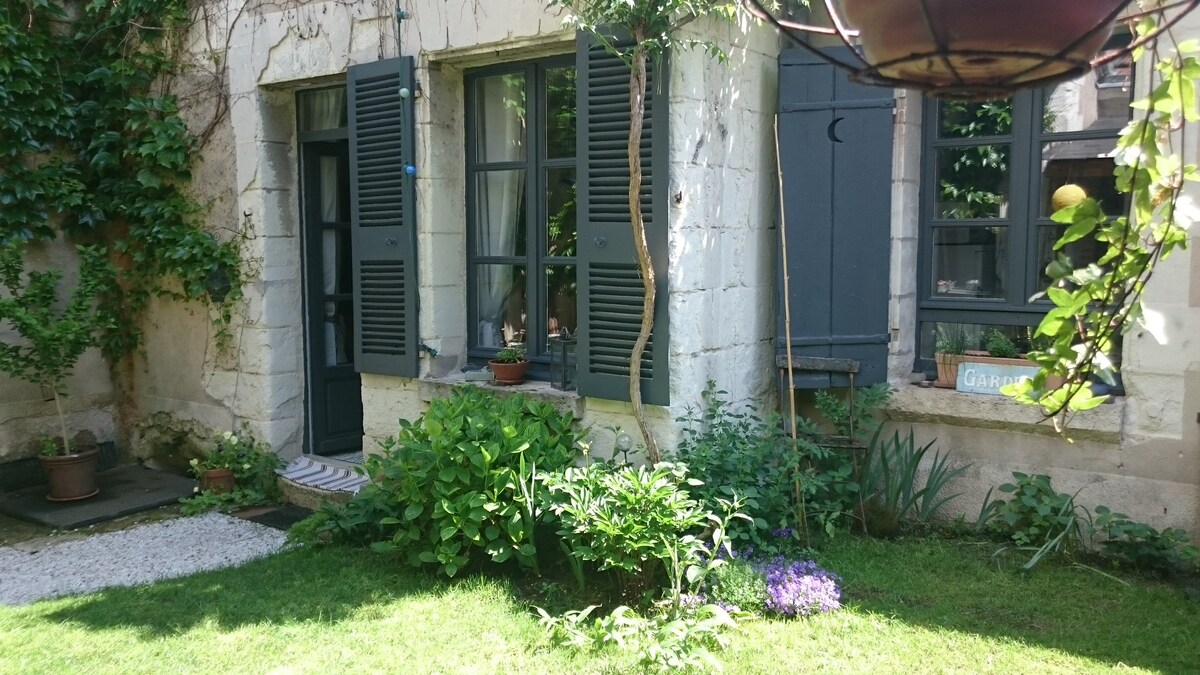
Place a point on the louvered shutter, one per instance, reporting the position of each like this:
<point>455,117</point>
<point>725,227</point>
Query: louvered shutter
<point>383,217</point>
<point>836,155</point>
<point>610,295</point>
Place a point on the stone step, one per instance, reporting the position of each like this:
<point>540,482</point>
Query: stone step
<point>309,480</point>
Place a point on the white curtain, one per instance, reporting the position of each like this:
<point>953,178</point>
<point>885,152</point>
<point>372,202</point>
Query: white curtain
<point>500,132</point>
<point>335,329</point>
<point>322,109</point>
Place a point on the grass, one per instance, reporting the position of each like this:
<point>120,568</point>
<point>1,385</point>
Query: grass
<point>916,605</point>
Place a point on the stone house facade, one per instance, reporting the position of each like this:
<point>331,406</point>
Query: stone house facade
<point>476,199</point>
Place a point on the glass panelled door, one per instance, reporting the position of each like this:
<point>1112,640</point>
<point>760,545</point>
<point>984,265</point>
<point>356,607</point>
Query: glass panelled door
<point>334,388</point>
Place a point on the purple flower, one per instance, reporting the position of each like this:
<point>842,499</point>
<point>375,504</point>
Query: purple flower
<point>800,587</point>
<point>692,601</point>
<point>782,533</point>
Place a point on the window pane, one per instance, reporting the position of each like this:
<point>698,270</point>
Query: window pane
<point>969,262</point>
<point>560,212</point>
<point>561,301</point>
<point>1082,252</point>
<point>322,109</point>
<point>975,337</point>
<point>500,213</point>
<point>560,113</point>
<point>500,307</point>
<point>957,119</point>
<point>973,181</point>
<point>1087,164</point>
<point>500,118</point>
<point>339,332</point>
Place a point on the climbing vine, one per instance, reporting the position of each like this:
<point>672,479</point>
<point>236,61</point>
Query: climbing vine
<point>93,148</point>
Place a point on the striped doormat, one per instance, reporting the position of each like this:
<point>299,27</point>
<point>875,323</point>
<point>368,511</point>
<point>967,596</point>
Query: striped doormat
<point>312,472</point>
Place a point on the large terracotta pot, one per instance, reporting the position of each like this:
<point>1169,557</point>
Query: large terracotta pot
<point>71,477</point>
<point>509,373</point>
<point>988,42</point>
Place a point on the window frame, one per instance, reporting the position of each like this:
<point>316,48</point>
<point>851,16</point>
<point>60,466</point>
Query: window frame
<point>1023,223</point>
<point>535,165</point>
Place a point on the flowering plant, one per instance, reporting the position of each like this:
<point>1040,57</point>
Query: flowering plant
<point>800,588</point>
<point>253,466</point>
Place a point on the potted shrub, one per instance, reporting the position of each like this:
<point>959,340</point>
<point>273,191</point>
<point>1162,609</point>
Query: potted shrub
<point>509,365</point>
<point>238,472</point>
<point>53,337</point>
<point>948,352</point>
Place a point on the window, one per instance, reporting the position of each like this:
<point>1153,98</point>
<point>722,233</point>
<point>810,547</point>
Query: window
<point>521,206</point>
<point>991,174</point>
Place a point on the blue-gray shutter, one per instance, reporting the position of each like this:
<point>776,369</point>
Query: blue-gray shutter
<point>610,295</point>
<point>836,156</point>
<point>383,217</point>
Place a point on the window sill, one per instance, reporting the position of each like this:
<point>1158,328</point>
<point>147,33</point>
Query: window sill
<point>571,402</point>
<point>930,405</point>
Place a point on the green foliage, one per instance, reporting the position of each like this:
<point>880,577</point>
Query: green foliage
<point>890,476</point>
<point>951,339</point>
<point>1092,304</point>
<point>1143,547</point>
<point>510,355</point>
<point>740,584</point>
<point>95,149</point>
<point>739,454</point>
<point>458,481</point>
<point>1000,345</point>
<point>652,24</point>
<point>625,518</point>
<point>254,469</point>
<point>53,336</point>
<point>661,642</point>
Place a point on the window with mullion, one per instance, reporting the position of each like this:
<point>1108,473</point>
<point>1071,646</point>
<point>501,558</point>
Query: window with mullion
<point>993,175</point>
<point>521,205</point>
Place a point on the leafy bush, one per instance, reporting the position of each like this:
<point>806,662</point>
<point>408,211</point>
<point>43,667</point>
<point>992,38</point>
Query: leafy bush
<point>1000,345</point>
<point>458,482</point>
<point>1143,547</point>
<point>890,476</point>
<point>739,583</point>
<point>739,453</point>
<point>625,518</point>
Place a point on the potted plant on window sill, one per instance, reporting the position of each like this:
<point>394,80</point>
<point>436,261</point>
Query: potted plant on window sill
<point>509,365</point>
<point>948,352</point>
<point>52,339</point>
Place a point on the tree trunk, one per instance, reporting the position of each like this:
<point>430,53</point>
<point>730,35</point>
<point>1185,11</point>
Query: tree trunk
<point>637,115</point>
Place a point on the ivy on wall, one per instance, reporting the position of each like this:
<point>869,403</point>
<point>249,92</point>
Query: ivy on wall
<point>93,148</point>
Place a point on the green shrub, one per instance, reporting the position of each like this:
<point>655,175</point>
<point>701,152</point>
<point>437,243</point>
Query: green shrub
<point>737,453</point>
<point>738,583</point>
<point>1000,345</point>
<point>1143,547</point>
<point>457,483</point>
<point>254,469</point>
<point>630,519</point>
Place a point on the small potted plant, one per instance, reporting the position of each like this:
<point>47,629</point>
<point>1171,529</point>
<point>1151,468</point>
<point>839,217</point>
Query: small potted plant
<point>238,472</point>
<point>948,352</point>
<point>53,337</point>
<point>509,365</point>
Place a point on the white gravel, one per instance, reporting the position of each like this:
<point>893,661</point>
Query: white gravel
<point>139,555</point>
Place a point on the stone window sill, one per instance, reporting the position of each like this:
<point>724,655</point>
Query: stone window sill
<point>429,388</point>
<point>930,405</point>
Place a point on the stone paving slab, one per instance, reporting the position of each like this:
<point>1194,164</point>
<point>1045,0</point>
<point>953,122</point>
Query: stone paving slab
<point>123,491</point>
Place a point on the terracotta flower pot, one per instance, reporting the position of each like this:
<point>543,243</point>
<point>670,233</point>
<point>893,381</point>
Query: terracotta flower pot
<point>947,369</point>
<point>220,481</point>
<point>509,373</point>
<point>986,41</point>
<point>72,477</point>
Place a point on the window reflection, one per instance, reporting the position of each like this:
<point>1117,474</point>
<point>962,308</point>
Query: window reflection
<point>969,262</point>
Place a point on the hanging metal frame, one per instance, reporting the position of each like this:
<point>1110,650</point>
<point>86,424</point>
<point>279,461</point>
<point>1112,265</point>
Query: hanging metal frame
<point>966,88</point>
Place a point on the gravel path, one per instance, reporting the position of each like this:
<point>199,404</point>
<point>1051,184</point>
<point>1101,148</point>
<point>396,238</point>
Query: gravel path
<point>139,555</point>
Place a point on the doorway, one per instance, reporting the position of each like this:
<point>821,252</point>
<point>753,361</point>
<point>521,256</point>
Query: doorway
<point>334,387</point>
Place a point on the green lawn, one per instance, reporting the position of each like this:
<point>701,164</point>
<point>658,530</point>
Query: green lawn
<point>913,606</point>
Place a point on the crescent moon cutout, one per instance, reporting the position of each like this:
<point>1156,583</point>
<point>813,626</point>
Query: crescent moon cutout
<point>832,130</point>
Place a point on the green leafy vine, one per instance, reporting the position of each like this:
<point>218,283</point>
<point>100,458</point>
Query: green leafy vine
<point>1094,304</point>
<point>93,148</point>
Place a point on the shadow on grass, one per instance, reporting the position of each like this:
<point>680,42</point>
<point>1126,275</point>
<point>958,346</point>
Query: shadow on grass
<point>957,585</point>
<point>322,584</point>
